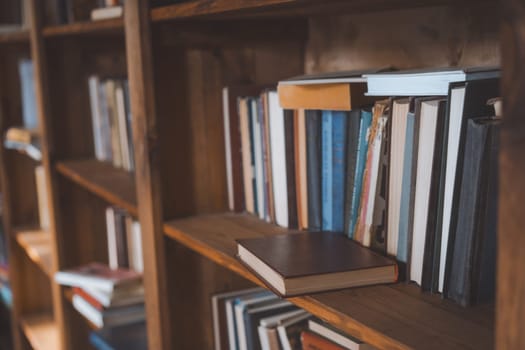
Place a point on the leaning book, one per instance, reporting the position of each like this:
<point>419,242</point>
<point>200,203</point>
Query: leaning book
<point>303,263</point>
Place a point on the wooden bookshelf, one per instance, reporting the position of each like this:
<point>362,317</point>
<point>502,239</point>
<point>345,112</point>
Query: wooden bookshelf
<point>41,331</point>
<point>387,317</point>
<point>102,27</point>
<point>177,59</point>
<point>116,186</point>
<point>37,245</point>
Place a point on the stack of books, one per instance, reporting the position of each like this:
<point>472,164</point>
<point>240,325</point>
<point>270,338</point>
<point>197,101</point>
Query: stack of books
<point>410,176</point>
<point>257,319</point>
<point>111,120</point>
<point>107,9</point>
<point>105,297</point>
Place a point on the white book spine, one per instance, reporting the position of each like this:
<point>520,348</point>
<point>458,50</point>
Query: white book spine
<point>258,153</point>
<point>111,238</point>
<point>138,259</point>
<point>93,83</point>
<point>42,197</point>
<point>122,126</point>
<point>227,146</point>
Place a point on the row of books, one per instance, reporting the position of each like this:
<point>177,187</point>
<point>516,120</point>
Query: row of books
<point>412,177</point>
<point>256,319</point>
<point>124,240</point>
<point>111,120</point>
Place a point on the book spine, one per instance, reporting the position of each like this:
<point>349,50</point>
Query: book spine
<point>93,83</point>
<point>253,133</point>
<point>246,154</point>
<point>268,157</point>
<point>339,129</point>
<point>258,155</point>
<point>300,159</point>
<point>351,159</point>
<point>313,176</point>
<point>327,174</point>
<point>290,168</point>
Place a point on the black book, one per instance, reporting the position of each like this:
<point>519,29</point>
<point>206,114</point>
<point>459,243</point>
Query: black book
<point>476,95</point>
<point>313,155</point>
<point>351,159</point>
<point>430,276</point>
<point>473,255</point>
<point>290,168</point>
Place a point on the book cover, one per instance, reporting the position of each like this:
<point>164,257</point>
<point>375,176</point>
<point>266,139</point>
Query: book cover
<point>299,263</point>
<point>327,171</point>
<point>352,150</point>
<point>290,168</point>
<point>313,176</point>
<point>339,135</point>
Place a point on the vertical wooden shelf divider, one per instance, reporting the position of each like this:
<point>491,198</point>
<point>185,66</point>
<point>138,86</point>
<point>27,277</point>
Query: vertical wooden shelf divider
<point>510,306</point>
<point>147,173</point>
<point>38,55</point>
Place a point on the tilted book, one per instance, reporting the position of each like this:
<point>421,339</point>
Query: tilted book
<point>301,263</point>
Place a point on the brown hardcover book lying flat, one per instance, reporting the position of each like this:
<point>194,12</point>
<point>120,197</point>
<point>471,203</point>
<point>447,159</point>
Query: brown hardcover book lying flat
<point>302,263</point>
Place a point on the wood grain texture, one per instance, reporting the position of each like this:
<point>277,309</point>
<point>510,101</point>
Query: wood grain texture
<point>41,331</point>
<point>511,240</point>
<point>37,245</point>
<point>114,185</point>
<point>15,37</point>
<point>148,178</point>
<point>389,317</point>
<point>42,88</point>
<point>410,38</point>
<point>103,27</point>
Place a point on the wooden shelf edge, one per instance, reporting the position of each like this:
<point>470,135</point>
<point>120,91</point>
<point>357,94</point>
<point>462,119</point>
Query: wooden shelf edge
<point>87,27</point>
<point>116,186</point>
<point>14,37</point>
<point>41,331</point>
<point>37,246</point>
<point>322,304</point>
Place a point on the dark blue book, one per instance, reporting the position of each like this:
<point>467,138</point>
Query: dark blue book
<point>129,337</point>
<point>27,85</point>
<point>313,168</point>
<point>326,171</point>
<point>251,122</point>
<point>339,134</point>
<point>352,138</point>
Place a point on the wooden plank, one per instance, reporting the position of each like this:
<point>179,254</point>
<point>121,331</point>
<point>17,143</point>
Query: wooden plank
<point>15,37</point>
<point>114,185</point>
<point>37,245</point>
<point>148,177</point>
<point>38,55</point>
<point>510,310</point>
<point>41,331</point>
<point>390,317</point>
<point>102,27</point>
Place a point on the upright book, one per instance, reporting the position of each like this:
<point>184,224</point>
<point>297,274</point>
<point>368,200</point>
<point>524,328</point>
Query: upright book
<point>300,263</point>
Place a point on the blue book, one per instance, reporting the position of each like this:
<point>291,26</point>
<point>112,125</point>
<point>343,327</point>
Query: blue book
<point>406,191</point>
<point>362,150</point>
<point>27,85</point>
<point>339,121</point>
<point>326,171</point>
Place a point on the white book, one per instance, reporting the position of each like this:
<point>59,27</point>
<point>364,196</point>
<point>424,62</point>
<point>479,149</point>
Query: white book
<point>122,128</point>
<point>247,169</point>
<point>93,84</point>
<point>42,197</point>
<point>240,308</point>
<point>106,13</point>
<point>227,146</point>
<point>137,259</point>
<point>111,238</point>
<point>108,318</point>
<point>338,338</point>
<point>425,156</point>
<point>278,159</point>
<point>400,110</point>
<point>457,98</point>
<point>129,296</point>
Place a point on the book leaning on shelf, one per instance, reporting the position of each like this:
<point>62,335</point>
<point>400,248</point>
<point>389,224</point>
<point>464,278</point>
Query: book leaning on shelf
<point>111,120</point>
<point>388,172</point>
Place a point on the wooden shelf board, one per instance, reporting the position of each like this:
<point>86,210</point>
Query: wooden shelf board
<point>37,245</point>
<point>116,186</point>
<point>279,8</point>
<point>18,36</point>
<point>88,27</point>
<point>394,316</point>
<point>41,331</point>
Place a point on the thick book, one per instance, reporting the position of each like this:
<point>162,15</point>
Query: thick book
<point>313,341</point>
<point>327,331</point>
<point>129,337</point>
<point>295,264</point>
<point>326,171</point>
<point>424,82</point>
<point>99,276</point>
<point>339,135</point>
<point>466,100</point>
<point>313,155</point>
<point>472,271</point>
